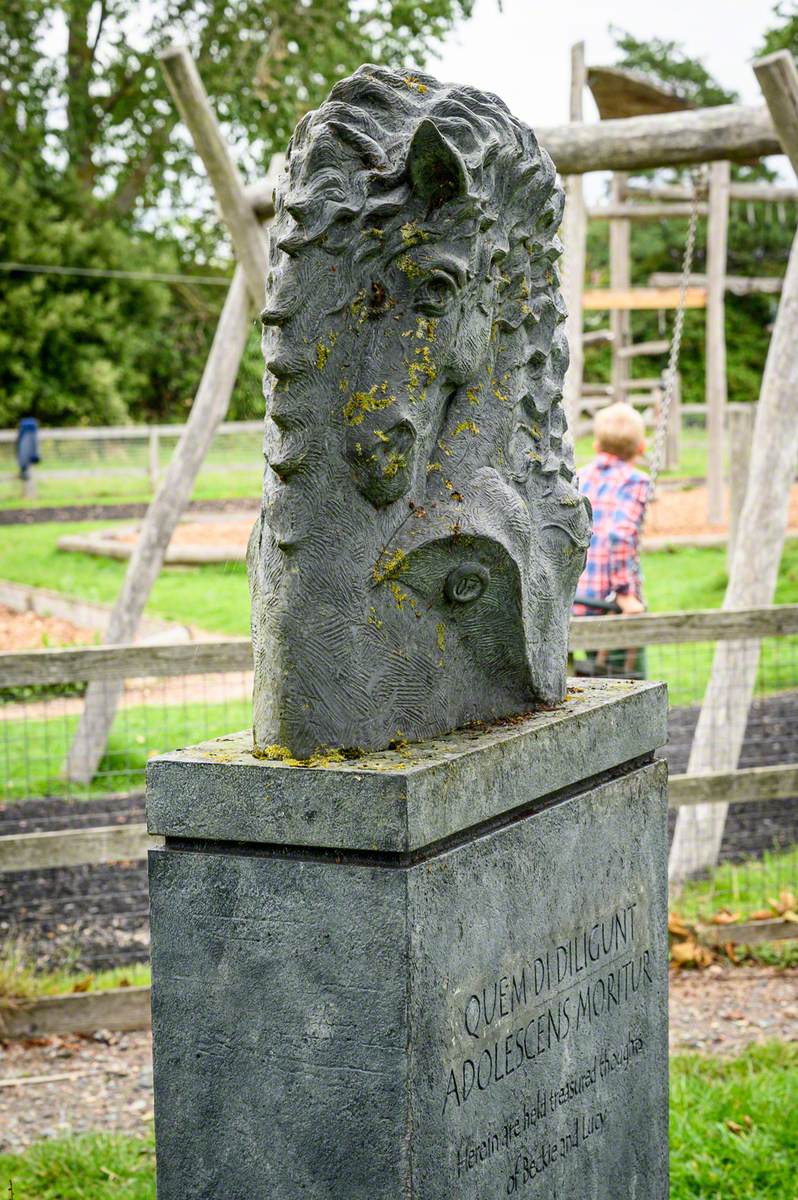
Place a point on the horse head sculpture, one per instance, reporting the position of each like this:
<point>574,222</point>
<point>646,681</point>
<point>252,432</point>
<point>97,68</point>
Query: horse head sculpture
<point>421,534</point>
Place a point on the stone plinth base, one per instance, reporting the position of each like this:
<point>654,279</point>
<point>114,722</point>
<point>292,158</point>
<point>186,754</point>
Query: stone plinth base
<point>431,973</point>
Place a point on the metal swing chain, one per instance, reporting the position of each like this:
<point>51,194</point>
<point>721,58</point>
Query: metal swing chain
<point>660,436</point>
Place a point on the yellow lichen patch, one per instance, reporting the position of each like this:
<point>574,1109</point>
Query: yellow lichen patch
<point>382,437</point>
<point>412,234</point>
<point>466,427</point>
<point>453,492</point>
<point>399,597</point>
<point>434,467</point>
<point>374,232</point>
<point>421,371</point>
<point>322,354</point>
<point>440,634</point>
<point>409,267</point>
<point>446,449</point>
<point>394,464</point>
<point>373,619</point>
<point>499,394</point>
<point>388,565</point>
<point>415,84</point>
<point>361,403</point>
<point>472,394</point>
<point>426,328</point>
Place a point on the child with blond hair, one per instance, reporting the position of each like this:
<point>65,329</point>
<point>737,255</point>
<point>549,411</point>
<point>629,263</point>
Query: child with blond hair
<point>618,493</point>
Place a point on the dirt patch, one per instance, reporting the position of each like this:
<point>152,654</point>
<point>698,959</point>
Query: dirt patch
<point>108,1087</point>
<point>724,1009</point>
<point>683,512</point>
<point>29,631</point>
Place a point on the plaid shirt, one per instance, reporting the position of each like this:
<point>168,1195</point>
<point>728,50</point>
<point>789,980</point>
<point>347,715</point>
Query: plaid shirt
<point>618,494</point>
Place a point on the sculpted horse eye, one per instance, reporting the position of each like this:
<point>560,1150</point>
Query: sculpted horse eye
<point>434,294</point>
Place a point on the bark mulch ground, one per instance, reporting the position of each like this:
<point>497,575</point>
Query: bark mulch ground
<point>106,1080</point>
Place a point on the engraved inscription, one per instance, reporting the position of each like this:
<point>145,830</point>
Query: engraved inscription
<point>513,1026</point>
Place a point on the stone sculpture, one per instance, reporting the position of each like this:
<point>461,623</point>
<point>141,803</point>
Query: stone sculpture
<point>421,534</point>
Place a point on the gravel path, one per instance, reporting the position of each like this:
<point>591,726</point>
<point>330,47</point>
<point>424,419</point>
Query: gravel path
<point>108,1077</point>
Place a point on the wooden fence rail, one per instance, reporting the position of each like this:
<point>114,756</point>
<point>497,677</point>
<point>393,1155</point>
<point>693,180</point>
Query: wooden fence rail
<point>78,664</point>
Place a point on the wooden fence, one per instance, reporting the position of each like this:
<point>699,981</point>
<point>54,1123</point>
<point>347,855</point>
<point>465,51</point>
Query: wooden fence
<point>128,1008</point>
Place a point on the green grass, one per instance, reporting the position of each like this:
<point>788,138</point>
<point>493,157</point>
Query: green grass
<point>20,981</point>
<point>743,888</point>
<point>757,1092</point>
<point>214,596</point>
<point>128,489</point>
<point>32,752</point>
<point>92,1166</point>
<point>708,1160</point>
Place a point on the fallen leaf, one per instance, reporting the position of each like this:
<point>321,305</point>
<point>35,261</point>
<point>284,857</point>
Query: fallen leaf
<point>729,951</point>
<point>763,914</point>
<point>749,1124</point>
<point>790,916</point>
<point>677,927</point>
<point>724,917</point>
<point>83,985</point>
<point>788,899</point>
<point>734,1127</point>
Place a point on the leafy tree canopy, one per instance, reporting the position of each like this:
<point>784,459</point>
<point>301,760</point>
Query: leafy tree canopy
<point>83,96</point>
<point>783,36</point>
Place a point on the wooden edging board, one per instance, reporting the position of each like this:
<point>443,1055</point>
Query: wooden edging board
<point>120,1009</point>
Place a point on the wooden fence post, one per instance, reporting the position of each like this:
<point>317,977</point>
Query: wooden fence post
<point>153,458</point>
<point>208,410</point>
<point>620,279</point>
<point>673,433</point>
<point>573,267</point>
<point>740,420</point>
<point>761,529</point>
<point>715,382</point>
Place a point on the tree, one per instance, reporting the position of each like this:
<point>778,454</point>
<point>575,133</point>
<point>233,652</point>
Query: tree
<point>83,93</point>
<point>785,35</point>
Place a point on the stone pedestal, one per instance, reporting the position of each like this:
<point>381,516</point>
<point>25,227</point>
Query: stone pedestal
<point>436,973</point>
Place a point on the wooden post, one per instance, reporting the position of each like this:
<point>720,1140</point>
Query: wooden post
<point>715,382</point>
<point>760,532</point>
<point>740,420</point>
<point>195,109</point>
<point>673,434</point>
<point>573,268</point>
<point>620,279</point>
<point>153,458</point>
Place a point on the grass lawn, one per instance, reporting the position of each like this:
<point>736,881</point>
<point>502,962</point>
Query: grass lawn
<point>743,888</point>
<point>32,752</point>
<point>711,1099</point>
<point>214,596</point>
<point>19,981</point>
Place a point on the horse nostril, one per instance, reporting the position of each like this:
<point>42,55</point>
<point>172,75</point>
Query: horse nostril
<point>466,583</point>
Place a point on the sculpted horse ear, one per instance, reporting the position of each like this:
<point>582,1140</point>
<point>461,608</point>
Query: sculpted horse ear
<point>436,170</point>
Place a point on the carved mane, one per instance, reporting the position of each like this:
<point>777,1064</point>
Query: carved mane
<point>348,158</point>
<point>421,533</point>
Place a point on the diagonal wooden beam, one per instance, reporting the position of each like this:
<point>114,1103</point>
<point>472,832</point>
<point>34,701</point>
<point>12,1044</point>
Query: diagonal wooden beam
<point>192,101</point>
<point>778,78</point>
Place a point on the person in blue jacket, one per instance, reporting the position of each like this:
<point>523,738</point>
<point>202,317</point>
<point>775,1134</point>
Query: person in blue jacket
<point>27,447</point>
